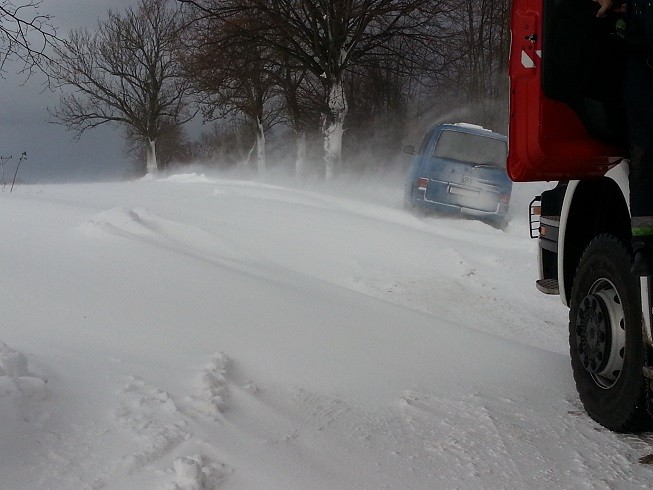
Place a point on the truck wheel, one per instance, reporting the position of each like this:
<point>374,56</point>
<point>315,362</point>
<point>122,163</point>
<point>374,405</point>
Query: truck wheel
<point>605,337</point>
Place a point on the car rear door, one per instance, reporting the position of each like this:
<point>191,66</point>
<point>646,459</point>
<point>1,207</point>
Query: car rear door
<point>467,170</point>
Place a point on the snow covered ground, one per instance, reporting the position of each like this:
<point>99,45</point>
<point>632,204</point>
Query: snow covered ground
<point>200,333</point>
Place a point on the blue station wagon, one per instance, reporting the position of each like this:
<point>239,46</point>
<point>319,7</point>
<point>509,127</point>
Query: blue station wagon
<point>460,168</point>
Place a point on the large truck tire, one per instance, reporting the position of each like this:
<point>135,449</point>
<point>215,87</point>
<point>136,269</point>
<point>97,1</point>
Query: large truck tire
<point>605,337</point>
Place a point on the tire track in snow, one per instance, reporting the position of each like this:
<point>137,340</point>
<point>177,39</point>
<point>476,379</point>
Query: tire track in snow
<point>463,440</point>
<point>433,442</point>
<point>571,449</point>
<point>513,444</point>
<point>143,226</point>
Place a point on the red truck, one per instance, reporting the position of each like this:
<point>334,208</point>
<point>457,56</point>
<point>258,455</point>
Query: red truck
<point>567,125</point>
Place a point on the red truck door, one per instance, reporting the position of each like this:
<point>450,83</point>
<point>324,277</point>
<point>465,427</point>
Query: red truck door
<point>566,115</point>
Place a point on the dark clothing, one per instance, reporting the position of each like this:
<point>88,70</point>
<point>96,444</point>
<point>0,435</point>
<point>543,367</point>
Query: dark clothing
<point>638,98</point>
<point>638,22</point>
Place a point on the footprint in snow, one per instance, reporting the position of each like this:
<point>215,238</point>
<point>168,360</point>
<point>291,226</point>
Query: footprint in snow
<point>19,388</point>
<point>197,473</point>
<point>213,392</point>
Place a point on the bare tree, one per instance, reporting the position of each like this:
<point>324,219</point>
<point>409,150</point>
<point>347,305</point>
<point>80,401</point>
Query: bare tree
<point>303,105</point>
<point>26,35</point>
<point>326,37</point>
<point>478,51</point>
<point>225,144</point>
<point>378,113</point>
<point>245,87</point>
<point>126,73</point>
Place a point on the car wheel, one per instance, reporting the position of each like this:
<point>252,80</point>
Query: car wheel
<point>605,337</point>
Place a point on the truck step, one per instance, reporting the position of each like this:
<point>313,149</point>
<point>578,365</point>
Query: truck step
<point>548,286</point>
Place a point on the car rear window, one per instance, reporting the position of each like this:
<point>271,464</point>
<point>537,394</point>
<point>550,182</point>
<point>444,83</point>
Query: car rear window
<point>471,148</point>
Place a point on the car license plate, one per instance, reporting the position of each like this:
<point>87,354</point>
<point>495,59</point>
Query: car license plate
<point>461,191</point>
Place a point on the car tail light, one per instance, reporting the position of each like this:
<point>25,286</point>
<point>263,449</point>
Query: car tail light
<point>504,198</point>
<point>421,183</point>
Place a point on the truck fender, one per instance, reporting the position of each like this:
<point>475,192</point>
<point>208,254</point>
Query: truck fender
<point>618,174</point>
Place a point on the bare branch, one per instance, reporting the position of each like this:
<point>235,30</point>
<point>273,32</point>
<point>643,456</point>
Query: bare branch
<point>26,36</point>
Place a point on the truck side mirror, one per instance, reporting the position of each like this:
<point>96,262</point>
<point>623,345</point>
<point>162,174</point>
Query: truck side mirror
<point>409,149</point>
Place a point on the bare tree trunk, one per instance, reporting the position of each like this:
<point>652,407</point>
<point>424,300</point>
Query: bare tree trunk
<point>151,167</point>
<point>244,163</point>
<point>333,129</point>
<point>300,161</point>
<point>260,147</point>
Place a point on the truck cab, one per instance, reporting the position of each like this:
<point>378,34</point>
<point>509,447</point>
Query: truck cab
<point>567,126</point>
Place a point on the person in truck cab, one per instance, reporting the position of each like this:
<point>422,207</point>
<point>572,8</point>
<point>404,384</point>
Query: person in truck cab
<point>637,34</point>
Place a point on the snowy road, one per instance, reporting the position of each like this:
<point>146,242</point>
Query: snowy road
<point>202,333</point>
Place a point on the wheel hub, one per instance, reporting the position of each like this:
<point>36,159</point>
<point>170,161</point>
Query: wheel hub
<point>593,334</point>
<point>601,334</point>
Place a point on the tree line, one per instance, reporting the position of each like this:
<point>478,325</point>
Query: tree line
<point>325,84</point>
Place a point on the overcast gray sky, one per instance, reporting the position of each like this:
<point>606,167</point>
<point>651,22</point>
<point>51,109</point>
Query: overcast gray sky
<point>52,152</point>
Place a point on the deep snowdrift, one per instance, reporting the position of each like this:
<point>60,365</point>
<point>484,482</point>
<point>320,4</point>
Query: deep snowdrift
<point>193,332</point>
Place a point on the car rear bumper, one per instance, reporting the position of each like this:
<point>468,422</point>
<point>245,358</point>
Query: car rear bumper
<point>501,211</point>
<point>498,209</point>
